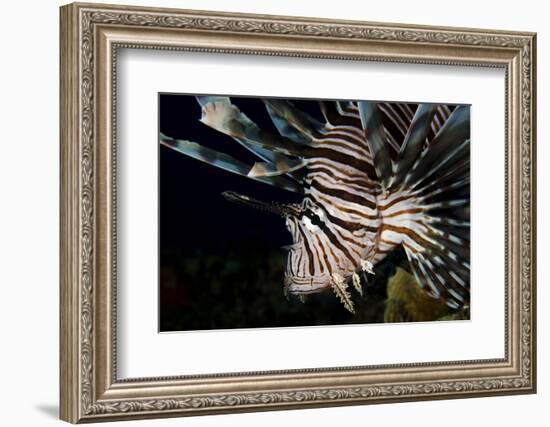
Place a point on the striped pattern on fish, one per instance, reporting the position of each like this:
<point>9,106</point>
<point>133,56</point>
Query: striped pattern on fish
<point>374,176</point>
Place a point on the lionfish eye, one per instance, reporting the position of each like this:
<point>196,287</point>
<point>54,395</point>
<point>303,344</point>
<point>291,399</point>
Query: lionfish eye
<point>313,217</point>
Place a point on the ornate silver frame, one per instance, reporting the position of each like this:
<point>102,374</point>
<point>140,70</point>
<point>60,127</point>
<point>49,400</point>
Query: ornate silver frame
<point>90,36</point>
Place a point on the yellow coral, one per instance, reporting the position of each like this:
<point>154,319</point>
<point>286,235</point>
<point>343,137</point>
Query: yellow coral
<point>407,302</point>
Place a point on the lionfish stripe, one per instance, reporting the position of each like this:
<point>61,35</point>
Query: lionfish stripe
<point>334,118</point>
<point>344,172</point>
<point>334,258</point>
<point>352,224</point>
<point>343,108</point>
<point>355,134</point>
<point>320,250</point>
<point>319,168</point>
<point>322,173</point>
<point>345,144</point>
<point>346,209</point>
<point>342,198</point>
<point>344,192</point>
<point>341,234</point>
<point>338,244</point>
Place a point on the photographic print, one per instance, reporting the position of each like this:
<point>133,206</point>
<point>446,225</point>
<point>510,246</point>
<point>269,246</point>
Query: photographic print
<point>303,212</point>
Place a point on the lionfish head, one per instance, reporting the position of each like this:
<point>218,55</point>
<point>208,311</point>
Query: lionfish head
<point>310,266</point>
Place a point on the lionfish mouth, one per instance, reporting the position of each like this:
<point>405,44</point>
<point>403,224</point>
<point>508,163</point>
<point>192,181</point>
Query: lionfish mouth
<point>305,285</point>
<point>270,207</point>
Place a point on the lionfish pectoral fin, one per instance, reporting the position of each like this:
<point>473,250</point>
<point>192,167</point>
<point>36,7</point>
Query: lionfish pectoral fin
<point>428,212</point>
<point>340,288</point>
<point>226,162</point>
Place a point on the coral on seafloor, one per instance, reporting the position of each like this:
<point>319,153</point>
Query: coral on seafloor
<point>406,302</point>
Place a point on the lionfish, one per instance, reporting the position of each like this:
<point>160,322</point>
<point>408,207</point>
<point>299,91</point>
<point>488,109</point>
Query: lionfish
<point>374,176</point>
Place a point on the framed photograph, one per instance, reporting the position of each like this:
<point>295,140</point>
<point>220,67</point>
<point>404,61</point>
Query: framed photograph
<point>266,212</point>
